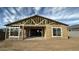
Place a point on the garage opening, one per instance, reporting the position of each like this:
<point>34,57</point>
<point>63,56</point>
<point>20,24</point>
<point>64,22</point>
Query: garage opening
<point>35,32</point>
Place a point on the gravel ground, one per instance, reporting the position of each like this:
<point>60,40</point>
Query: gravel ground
<point>40,45</point>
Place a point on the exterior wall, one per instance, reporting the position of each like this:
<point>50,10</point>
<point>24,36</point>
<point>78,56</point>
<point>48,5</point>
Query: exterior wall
<point>74,34</point>
<point>22,34</point>
<point>48,34</point>
<point>38,22</point>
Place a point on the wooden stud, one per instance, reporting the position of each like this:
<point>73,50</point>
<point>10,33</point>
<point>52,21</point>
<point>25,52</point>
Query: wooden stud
<point>5,33</point>
<point>23,31</point>
<point>19,33</point>
<point>33,21</point>
<point>9,33</point>
<point>41,22</point>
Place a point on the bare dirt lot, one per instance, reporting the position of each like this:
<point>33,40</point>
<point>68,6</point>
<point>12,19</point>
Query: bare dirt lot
<point>40,45</point>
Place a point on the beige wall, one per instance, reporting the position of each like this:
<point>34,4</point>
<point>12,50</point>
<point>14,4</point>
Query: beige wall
<point>48,32</point>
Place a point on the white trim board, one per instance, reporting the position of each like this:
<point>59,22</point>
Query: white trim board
<point>57,27</point>
<point>10,32</point>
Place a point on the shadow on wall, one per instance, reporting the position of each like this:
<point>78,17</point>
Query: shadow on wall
<point>2,35</point>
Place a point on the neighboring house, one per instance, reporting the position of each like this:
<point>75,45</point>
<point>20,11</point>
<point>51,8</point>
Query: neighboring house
<point>74,31</point>
<point>36,26</point>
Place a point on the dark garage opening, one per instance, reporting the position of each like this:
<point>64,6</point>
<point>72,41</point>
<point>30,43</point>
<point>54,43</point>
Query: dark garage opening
<point>35,32</point>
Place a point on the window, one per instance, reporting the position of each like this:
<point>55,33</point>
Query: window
<point>14,32</point>
<point>56,32</point>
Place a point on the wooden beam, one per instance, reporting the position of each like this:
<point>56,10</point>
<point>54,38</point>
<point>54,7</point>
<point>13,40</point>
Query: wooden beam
<point>9,32</point>
<point>19,33</point>
<point>33,21</point>
<point>23,32</point>
<point>45,21</point>
<point>25,22</point>
<point>41,22</point>
<point>5,33</point>
<point>29,32</point>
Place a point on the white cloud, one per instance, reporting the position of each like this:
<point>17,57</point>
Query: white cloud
<point>7,20</point>
<point>73,22</point>
<point>58,13</point>
<point>37,8</point>
<point>62,13</point>
<point>12,10</point>
<point>58,9</point>
<point>76,15</point>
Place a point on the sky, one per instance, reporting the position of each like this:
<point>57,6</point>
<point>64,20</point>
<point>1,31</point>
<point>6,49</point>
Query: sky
<point>67,15</point>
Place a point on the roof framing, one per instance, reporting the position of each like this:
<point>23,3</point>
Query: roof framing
<point>35,16</point>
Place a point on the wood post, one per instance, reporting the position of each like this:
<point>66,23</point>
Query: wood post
<point>29,32</point>
<point>5,33</point>
<point>19,33</point>
<point>9,32</point>
<point>23,31</point>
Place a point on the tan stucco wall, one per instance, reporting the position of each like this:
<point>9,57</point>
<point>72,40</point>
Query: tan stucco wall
<point>48,32</point>
<point>23,34</point>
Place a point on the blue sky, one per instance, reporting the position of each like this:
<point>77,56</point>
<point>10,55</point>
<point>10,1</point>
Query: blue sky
<point>68,15</point>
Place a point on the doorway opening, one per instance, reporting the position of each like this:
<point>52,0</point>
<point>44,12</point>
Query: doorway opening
<point>35,32</point>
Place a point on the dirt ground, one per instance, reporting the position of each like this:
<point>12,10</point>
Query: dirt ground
<point>40,45</point>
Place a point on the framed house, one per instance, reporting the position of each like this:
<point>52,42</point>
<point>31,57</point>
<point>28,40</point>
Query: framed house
<point>36,26</point>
